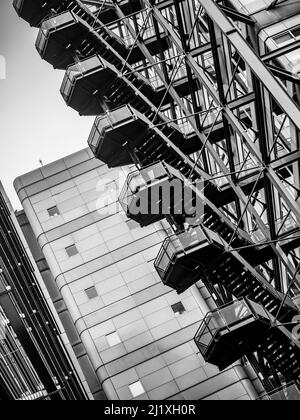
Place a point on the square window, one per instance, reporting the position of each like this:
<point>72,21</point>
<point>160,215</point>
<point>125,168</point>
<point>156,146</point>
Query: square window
<point>137,389</point>
<point>280,39</point>
<point>72,250</point>
<point>178,308</point>
<point>113,339</point>
<point>296,32</point>
<point>53,211</point>
<point>91,292</point>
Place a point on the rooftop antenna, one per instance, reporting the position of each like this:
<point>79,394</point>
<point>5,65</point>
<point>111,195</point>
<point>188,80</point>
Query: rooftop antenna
<point>41,162</point>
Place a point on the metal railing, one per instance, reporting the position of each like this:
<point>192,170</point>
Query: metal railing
<point>47,26</point>
<point>226,318</point>
<point>18,4</point>
<point>80,69</point>
<point>290,392</point>
<point>176,245</point>
<point>140,179</point>
<point>105,121</point>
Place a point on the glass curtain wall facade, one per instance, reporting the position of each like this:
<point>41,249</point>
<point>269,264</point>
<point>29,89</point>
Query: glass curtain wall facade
<point>34,361</point>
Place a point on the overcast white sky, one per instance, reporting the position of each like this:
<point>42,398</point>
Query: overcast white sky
<point>35,122</point>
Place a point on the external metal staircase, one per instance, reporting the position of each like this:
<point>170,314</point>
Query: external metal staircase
<point>102,79</point>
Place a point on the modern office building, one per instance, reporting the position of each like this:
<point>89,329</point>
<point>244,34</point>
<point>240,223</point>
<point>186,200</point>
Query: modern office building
<point>137,333</point>
<point>88,376</point>
<point>35,356</point>
<point>204,93</point>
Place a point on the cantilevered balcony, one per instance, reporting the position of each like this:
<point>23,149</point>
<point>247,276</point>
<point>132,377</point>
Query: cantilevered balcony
<point>231,332</point>
<point>183,258</point>
<point>96,80</point>
<point>72,34</point>
<point>121,134</point>
<point>141,194</point>
<point>58,38</point>
<point>34,11</point>
<point>115,134</point>
<point>85,85</point>
<point>155,192</point>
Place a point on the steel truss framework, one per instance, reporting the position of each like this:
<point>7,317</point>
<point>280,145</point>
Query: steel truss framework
<point>235,105</point>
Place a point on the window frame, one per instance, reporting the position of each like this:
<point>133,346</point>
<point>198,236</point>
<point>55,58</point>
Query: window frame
<point>139,384</point>
<point>116,335</point>
<point>181,308</point>
<point>56,214</point>
<point>89,289</point>
<point>70,253</point>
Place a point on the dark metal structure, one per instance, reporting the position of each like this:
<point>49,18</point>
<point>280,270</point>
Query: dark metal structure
<point>239,329</point>
<point>34,363</point>
<point>210,88</point>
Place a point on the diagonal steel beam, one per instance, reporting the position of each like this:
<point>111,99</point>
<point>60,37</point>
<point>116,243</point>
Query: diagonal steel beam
<point>273,55</point>
<point>235,123</point>
<point>253,60</point>
<point>198,71</point>
<point>189,59</point>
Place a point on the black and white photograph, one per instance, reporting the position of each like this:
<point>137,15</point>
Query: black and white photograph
<point>149,203</point>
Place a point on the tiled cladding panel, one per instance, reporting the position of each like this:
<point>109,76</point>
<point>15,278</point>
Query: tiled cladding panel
<point>135,339</point>
<point>252,6</point>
